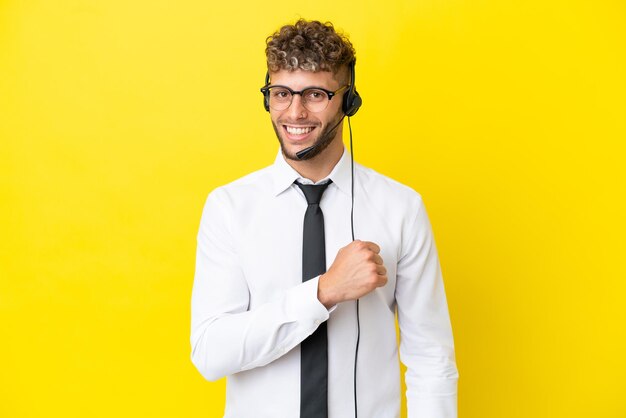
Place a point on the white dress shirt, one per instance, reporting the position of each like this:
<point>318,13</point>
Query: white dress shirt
<point>250,309</point>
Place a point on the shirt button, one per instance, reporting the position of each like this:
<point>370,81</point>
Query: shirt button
<point>317,322</point>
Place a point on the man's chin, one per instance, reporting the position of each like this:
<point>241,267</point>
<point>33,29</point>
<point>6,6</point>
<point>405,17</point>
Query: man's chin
<point>290,154</point>
<point>290,150</point>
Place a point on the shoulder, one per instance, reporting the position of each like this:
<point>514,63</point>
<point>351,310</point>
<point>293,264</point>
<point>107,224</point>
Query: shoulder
<point>383,188</point>
<point>225,203</point>
<point>242,189</point>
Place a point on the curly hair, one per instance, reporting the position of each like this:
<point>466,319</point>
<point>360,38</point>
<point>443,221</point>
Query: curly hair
<point>309,46</point>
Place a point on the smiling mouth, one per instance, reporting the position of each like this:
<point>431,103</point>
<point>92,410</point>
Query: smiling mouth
<point>303,130</point>
<point>298,133</point>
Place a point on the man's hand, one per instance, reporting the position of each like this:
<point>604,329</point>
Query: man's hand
<point>357,270</point>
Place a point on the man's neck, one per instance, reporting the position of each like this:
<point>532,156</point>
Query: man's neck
<point>321,165</point>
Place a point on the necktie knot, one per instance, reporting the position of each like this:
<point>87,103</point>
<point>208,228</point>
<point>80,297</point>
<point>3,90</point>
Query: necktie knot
<point>313,192</point>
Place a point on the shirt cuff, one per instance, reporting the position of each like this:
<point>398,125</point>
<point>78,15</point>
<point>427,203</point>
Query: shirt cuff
<point>304,303</point>
<point>317,283</point>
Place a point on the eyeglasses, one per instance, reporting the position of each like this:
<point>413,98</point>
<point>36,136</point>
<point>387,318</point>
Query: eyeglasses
<point>314,99</point>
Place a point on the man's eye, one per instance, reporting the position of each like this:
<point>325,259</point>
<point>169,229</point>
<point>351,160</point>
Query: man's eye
<point>280,94</point>
<point>315,95</point>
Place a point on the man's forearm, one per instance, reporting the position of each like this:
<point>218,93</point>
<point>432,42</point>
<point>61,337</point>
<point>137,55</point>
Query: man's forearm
<point>230,342</point>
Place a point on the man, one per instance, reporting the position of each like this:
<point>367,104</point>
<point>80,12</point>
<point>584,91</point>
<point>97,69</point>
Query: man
<point>267,313</point>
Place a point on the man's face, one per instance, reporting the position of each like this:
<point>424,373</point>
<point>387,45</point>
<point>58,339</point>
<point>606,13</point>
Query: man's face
<point>298,128</point>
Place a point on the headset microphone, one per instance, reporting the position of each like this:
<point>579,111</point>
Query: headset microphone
<point>303,153</point>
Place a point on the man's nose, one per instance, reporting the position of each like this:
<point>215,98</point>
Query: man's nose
<point>296,109</point>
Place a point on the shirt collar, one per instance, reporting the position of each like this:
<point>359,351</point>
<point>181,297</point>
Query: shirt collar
<point>284,175</point>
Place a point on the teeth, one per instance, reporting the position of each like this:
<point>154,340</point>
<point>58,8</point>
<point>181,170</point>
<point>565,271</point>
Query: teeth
<point>299,131</point>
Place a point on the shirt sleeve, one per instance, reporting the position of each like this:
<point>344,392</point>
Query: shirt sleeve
<point>226,336</point>
<point>426,342</point>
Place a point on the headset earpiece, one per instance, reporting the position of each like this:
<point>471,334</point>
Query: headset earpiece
<point>351,99</point>
<point>266,95</point>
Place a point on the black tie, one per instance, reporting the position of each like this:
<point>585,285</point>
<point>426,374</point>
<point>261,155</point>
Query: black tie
<point>314,349</point>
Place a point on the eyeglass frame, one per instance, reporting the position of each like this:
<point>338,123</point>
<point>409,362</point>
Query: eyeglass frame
<point>266,89</point>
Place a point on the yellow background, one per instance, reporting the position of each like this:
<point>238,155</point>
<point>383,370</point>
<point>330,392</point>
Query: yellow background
<point>118,117</point>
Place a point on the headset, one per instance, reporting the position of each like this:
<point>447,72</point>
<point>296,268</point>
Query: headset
<point>351,99</point>
<point>350,104</point>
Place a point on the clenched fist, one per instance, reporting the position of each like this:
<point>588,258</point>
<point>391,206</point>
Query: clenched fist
<point>357,270</point>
